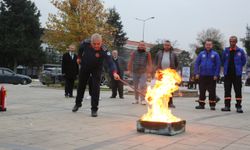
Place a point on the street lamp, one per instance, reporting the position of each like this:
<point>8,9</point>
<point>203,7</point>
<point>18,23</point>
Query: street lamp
<point>144,21</point>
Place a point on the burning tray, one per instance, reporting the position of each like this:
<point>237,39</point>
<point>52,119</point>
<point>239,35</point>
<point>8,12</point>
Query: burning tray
<point>161,128</point>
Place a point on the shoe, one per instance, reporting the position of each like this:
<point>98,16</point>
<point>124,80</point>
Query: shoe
<point>76,107</point>
<point>225,109</point>
<point>239,110</point>
<point>200,107</point>
<point>212,107</point>
<point>171,106</point>
<point>135,102</point>
<point>112,97</point>
<point>217,99</point>
<point>71,96</point>
<point>143,102</point>
<point>94,114</point>
<point>121,97</point>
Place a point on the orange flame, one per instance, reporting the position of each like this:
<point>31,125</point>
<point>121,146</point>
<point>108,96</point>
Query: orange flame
<point>158,96</point>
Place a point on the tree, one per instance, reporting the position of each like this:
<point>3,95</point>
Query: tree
<point>184,59</point>
<point>215,35</point>
<point>20,34</point>
<point>155,49</point>
<point>246,41</point>
<point>75,21</point>
<point>159,46</point>
<point>119,36</point>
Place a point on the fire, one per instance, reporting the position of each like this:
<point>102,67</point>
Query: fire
<point>158,95</point>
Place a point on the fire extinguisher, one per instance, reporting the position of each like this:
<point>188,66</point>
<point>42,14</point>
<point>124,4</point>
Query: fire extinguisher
<point>2,99</point>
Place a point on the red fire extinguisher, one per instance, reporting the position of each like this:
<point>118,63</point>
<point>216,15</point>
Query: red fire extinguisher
<point>2,99</point>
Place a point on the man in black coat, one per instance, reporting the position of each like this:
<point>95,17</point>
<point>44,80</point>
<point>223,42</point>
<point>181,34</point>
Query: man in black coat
<point>91,55</point>
<point>70,69</point>
<point>121,66</point>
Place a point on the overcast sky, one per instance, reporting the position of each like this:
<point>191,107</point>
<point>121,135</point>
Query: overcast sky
<point>179,20</point>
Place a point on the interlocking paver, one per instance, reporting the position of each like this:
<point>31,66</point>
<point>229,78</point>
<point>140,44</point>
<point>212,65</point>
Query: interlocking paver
<point>40,118</point>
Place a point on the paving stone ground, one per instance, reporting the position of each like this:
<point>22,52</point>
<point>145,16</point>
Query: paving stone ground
<point>40,118</point>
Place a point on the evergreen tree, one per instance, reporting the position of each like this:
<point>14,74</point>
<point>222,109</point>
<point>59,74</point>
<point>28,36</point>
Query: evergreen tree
<point>119,36</point>
<point>155,49</point>
<point>246,41</point>
<point>184,59</point>
<point>20,34</point>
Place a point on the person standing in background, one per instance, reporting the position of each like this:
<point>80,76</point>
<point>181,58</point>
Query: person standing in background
<point>70,69</point>
<point>234,59</point>
<point>165,59</point>
<point>207,70</point>
<point>140,66</point>
<point>115,84</point>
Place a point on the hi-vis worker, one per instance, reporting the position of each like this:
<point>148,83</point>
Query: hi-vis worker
<point>234,58</point>
<point>92,54</point>
<point>207,69</point>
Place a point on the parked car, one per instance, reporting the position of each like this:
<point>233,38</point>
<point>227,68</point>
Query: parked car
<point>51,76</point>
<point>9,76</point>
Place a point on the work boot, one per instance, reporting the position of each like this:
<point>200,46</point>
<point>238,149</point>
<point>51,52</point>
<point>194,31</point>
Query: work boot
<point>238,108</point>
<point>217,99</point>
<point>227,105</point>
<point>171,106</point>
<point>226,109</point>
<point>94,114</point>
<point>200,107</point>
<point>76,107</point>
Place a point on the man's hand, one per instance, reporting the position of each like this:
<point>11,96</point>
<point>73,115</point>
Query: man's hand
<point>215,78</point>
<point>78,61</point>
<point>197,77</point>
<point>116,76</point>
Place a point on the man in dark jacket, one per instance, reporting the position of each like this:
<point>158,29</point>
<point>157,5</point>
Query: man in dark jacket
<point>207,70</point>
<point>165,59</point>
<point>234,58</point>
<point>121,66</point>
<point>70,69</point>
<point>92,54</point>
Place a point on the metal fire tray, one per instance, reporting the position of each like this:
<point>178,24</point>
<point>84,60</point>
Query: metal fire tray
<point>161,128</point>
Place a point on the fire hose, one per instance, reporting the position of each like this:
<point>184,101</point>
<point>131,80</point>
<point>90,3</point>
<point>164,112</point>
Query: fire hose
<point>139,92</point>
<point>126,83</point>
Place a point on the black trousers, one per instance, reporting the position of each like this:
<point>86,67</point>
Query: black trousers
<point>69,85</point>
<point>235,81</point>
<point>95,87</point>
<point>90,85</point>
<point>207,83</point>
<point>116,85</point>
<point>170,102</point>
